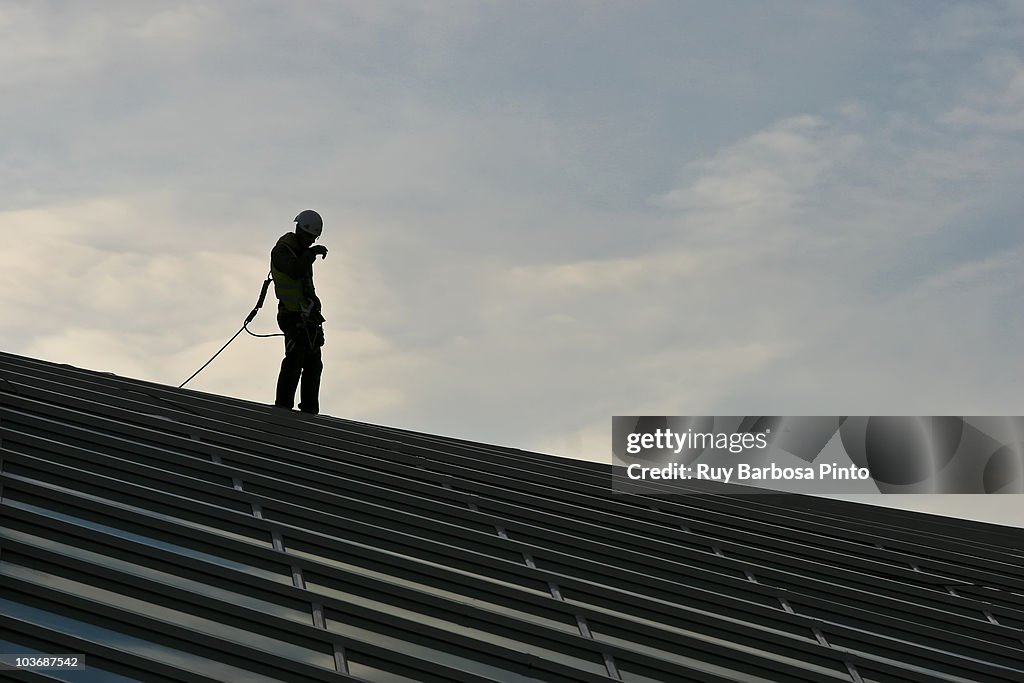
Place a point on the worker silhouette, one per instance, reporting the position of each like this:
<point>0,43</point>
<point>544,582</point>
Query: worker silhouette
<point>298,312</point>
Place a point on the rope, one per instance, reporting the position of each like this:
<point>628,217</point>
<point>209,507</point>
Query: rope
<point>245,326</point>
<point>278,334</point>
<point>211,359</point>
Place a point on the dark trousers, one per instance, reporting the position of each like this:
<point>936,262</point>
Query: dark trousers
<point>302,341</point>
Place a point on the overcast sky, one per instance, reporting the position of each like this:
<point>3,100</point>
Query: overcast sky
<point>539,214</point>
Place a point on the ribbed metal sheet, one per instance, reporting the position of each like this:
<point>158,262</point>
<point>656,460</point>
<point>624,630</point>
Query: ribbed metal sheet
<point>172,535</point>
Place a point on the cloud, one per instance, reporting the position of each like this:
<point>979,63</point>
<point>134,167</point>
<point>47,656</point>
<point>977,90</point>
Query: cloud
<point>996,102</point>
<point>755,190</point>
<point>41,45</point>
<point>965,26</point>
<point>538,218</point>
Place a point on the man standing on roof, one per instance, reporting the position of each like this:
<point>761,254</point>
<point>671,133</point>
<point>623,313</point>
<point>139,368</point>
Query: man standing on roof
<point>298,312</point>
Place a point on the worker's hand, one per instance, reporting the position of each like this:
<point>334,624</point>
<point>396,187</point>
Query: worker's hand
<point>318,250</point>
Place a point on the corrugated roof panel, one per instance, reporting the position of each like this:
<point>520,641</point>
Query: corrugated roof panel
<point>181,536</point>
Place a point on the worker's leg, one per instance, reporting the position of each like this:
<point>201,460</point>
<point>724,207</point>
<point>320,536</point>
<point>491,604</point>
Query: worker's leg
<point>296,347</point>
<point>312,368</point>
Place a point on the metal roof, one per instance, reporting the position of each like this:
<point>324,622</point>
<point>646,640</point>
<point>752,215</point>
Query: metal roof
<point>173,535</point>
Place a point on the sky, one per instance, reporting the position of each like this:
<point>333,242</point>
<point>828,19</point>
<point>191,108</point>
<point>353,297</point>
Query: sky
<point>540,213</point>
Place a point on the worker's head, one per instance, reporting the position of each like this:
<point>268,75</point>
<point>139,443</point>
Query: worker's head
<point>308,226</point>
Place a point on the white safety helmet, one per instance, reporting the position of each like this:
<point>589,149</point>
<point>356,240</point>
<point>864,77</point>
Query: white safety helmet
<point>309,221</point>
